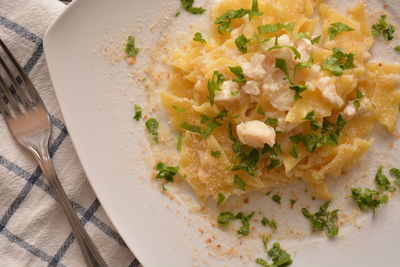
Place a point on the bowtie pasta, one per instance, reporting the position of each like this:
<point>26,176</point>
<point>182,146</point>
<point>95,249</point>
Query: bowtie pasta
<point>276,94</point>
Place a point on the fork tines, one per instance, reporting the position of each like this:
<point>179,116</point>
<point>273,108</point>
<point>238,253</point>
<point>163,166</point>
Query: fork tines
<point>17,93</point>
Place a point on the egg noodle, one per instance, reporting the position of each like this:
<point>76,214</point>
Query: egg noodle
<point>264,101</point>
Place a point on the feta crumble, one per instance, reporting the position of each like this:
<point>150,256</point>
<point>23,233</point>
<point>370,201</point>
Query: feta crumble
<point>255,133</point>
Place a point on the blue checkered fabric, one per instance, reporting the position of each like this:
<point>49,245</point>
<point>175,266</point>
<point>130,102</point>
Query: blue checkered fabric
<point>33,229</point>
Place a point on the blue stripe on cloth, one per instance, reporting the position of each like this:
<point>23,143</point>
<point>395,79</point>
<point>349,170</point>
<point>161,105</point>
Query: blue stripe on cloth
<point>21,31</point>
<point>56,122</point>
<point>25,245</point>
<point>70,239</point>
<point>135,263</point>
<point>77,207</point>
<point>33,59</point>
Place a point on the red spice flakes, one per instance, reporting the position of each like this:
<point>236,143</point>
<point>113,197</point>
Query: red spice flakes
<point>246,200</point>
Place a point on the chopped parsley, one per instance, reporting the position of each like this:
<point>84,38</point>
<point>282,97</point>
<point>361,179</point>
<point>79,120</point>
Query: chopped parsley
<point>301,35</point>
<point>271,28</point>
<point>226,217</point>
<point>369,199</point>
<point>271,122</point>
<point>316,40</point>
<point>254,9</point>
<point>337,28</point>
<point>130,49</point>
<point>177,14</point>
<point>323,219</point>
<point>313,123</point>
<point>396,173</point>
<point>280,258</point>
<point>241,43</point>
<point>179,143</point>
<point>212,123</point>
<point>260,111</point>
<point>338,62</point>
<point>238,71</point>
<point>274,163</point>
<point>179,109</point>
<point>225,19</point>
<point>293,151</point>
<point>235,93</point>
<point>271,223</point>
<point>276,199</point>
<point>138,112</point>
<point>199,38</point>
<point>292,202</point>
<point>239,183</point>
<point>188,6</point>
<point>221,198</point>
<point>397,48</point>
<point>383,28</point>
<point>213,85</point>
<point>328,135</point>
<point>296,53</point>
<point>216,153</point>
<point>298,88</point>
<point>305,64</point>
<point>152,127</point>
<point>359,96</point>
<point>166,172</point>
<point>382,182</point>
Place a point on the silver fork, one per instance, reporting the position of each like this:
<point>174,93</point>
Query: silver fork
<point>29,123</point>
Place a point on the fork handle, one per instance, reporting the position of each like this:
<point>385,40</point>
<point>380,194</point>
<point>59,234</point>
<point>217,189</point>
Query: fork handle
<point>89,251</point>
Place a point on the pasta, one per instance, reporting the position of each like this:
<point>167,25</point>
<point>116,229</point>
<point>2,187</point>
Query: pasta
<point>318,97</point>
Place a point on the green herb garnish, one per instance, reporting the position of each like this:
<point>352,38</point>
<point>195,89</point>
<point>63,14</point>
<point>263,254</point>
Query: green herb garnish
<point>138,112</point>
<point>305,64</point>
<point>199,38</point>
<point>213,85</point>
<point>383,28</point>
<point>382,181</point>
<point>397,48</point>
<point>221,198</point>
<point>271,223</point>
<point>179,143</point>
<point>369,199</point>
<point>359,96</point>
<point>239,183</point>
<point>271,28</point>
<point>294,152</point>
<point>225,19</point>
<point>241,43</point>
<point>336,28</point>
<point>212,123</point>
<point>152,127</point>
<point>298,88</point>
<point>130,49</point>
<point>274,163</point>
<point>271,122</point>
<point>313,123</point>
<point>396,173</point>
<point>226,217</point>
<point>216,153</point>
<point>276,199</point>
<point>238,71</point>
<point>188,6</point>
<point>166,172</point>
<point>296,53</point>
<point>260,111</point>
<point>338,62</point>
<point>292,202</point>
<point>323,219</point>
<point>179,109</point>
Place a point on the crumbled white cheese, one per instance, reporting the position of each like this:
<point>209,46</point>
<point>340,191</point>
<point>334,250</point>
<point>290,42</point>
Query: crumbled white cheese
<point>328,90</point>
<point>255,133</point>
<point>278,93</point>
<point>285,53</point>
<point>229,94</point>
<point>350,111</point>
<point>254,69</point>
<point>251,88</point>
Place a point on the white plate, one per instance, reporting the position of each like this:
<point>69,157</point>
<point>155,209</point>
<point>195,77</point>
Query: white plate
<point>97,101</point>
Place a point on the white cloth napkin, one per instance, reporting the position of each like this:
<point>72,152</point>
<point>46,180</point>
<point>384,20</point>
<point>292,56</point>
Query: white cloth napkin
<point>33,229</point>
